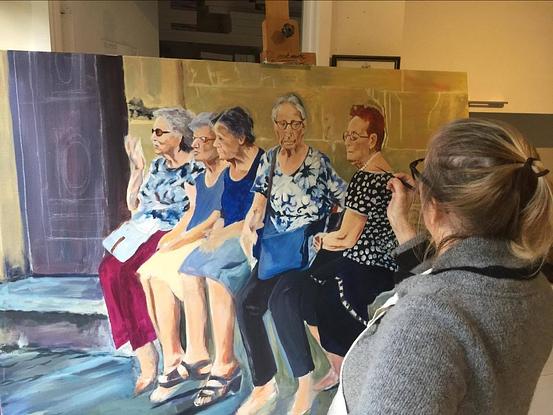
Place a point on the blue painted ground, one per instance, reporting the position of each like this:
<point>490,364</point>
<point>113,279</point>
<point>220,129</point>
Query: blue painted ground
<point>57,357</point>
<point>66,382</point>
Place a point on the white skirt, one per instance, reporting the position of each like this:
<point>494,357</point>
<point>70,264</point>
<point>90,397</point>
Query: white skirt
<point>165,266</point>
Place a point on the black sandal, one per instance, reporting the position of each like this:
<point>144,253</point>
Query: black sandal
<point>217,388</point>
<point>178,374</point>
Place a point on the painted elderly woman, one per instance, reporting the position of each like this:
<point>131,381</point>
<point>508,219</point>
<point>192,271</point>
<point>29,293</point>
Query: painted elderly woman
<point>220,258</point>
<point>363,266</point>
<point>157,205</point>
<point>165,287</point>
<point>303,190</point>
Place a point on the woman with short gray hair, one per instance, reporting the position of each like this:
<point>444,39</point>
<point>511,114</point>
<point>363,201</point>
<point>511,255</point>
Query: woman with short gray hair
<point>180,121</point>
<point>157,205</point>
<point>305,188</point>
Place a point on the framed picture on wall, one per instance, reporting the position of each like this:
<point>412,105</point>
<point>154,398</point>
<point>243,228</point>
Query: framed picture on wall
<point>361,61</point>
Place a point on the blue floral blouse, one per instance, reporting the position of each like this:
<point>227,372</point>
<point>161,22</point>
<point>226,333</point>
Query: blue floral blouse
<point>162,196</point>
<point>304,196</point>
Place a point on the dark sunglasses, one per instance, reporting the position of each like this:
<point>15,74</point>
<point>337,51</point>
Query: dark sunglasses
<point>159,132</point>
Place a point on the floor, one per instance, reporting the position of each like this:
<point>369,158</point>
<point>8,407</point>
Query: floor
<point>57,358</point>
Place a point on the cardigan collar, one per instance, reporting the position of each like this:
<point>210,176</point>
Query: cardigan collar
<point>476,252</point>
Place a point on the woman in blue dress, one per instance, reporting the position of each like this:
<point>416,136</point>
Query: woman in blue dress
<point>220,258</point>
<point>305,188</point>
<point>166,288</point>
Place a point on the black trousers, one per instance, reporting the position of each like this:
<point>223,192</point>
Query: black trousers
<point>361,284</point>
<point>292,300</point>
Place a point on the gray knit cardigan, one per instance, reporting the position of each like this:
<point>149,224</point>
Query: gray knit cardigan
<point>456,342</point>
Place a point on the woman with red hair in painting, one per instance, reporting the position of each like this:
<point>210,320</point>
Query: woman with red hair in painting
<point>157,206</point>
<point>362,266</point>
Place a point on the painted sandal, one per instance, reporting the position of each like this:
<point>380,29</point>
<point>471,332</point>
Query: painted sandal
<point>184,372</point>
<point>217,388</point>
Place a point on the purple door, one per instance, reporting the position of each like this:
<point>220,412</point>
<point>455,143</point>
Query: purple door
<point>69,120</point>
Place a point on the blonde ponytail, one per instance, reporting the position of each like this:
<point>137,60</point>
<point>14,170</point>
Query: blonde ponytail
<point>493,181</point>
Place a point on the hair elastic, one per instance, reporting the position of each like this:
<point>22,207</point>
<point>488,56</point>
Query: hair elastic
<point>528,164</point>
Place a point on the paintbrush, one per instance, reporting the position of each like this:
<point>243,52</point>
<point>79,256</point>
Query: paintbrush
<point>405,183</point>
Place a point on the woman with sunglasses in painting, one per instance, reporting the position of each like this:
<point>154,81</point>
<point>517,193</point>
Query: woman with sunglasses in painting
<point>219,259</point>
<point>304,190</point>
<point>362,266</point>
<point>156,205</point>
<point>165,287</point>
<point>470,331</point>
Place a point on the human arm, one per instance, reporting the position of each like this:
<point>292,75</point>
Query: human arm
<point>417,363</point>
<point>169,240</point>
<point>335,185</point>
<point>219,235</point>
<point>192,235</point>
<point>399,207</point>
<point>136,164</point>
<point>345,237</point>
<point>254,220</point>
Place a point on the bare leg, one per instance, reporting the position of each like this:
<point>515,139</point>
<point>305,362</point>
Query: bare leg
<point>260,398</point>
<point>303,399</point>
<point>332,377</point>
<point>168,315</point>
<point>147,287</point>
<point>147,359</point>
<point>221,305</point>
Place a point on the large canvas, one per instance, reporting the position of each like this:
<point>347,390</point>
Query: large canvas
<point>87,143</point>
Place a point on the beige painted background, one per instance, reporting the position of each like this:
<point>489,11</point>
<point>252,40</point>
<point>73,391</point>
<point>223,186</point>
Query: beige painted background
<point>415,103</point>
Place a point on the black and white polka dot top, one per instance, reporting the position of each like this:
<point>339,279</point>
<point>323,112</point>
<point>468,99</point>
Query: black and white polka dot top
<point>367,195</point>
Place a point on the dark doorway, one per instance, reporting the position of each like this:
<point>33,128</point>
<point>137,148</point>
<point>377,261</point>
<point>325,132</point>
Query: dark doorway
<point>69,119</point>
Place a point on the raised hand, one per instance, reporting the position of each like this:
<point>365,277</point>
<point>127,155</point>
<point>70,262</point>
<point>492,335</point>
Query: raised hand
<point>133,147</point>
<point>400,205</point>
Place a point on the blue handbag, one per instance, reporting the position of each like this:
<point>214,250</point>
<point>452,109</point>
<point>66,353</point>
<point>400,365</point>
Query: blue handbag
<point>287,251</point>
<point>279,252</point>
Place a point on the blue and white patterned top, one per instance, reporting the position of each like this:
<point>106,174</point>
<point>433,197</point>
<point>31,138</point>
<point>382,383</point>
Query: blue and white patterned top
<point>162,196</point>
<point>304,196</point>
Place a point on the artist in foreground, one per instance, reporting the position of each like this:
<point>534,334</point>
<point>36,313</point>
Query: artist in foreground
<point>471,331</point>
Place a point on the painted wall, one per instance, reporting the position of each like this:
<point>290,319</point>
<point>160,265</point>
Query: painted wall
<point>24,25</point>
<point>368,28</point>
<point>12,260</point>
<point>505,47</point>
<point>105,27</point>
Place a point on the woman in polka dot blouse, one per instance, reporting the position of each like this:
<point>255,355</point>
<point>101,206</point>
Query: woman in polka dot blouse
<point>363,266</point>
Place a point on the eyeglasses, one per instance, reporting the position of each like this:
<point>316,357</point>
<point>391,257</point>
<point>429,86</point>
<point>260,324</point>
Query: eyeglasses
<point>294,124</point>
<point>418,176</point>
<point>159,132</point>
<point>352,136</point>
<point>204,139</point>
<point>415,174</point>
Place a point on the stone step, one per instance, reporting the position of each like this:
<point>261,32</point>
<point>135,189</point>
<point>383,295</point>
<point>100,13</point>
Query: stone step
<point>54,312</point>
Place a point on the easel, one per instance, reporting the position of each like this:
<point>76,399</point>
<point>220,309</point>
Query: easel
<point>281,37</point>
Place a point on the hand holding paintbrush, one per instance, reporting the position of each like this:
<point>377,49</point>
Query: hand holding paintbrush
<point>402,187</point>
<point>399,177</point>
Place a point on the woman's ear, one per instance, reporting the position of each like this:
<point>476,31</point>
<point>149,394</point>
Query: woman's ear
<point>432,214</point>
<point>372,141</point>
<point>242,140</point>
